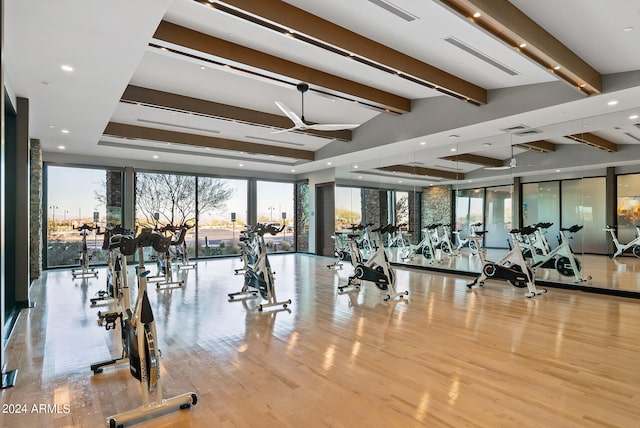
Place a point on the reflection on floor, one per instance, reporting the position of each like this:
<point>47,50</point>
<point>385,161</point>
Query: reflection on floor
<point>446,357</point>
<point>619,274</point>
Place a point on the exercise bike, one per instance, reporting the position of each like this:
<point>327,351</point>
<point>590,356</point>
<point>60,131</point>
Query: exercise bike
<point>182,251</point>
<point>424,247</point>
<point>260,278</point>
<point>472,244</point>
<point>84,258</point>
<point>560,258</point>
<point>512,267</point>
<point>396,239</point>
<point>248,246</point>
<point>633,245</point>
<point>164,272</point>
<point>339,250</point>
<point>116,267</point>
<point>139,342</point>
<point>376,269</point>
<point>442,239</point>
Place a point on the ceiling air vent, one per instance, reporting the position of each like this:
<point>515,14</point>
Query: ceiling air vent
<point>515,128</point>
<point>175,125</point>
<point>632,136</point>
<point>481,56</point>
<point>392,8</point>
<point>526,132</point>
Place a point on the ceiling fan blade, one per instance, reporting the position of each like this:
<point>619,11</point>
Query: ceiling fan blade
<point>512,164</point>
<point>282,131</point>
<point>290,114</point>
<point>332,126</point>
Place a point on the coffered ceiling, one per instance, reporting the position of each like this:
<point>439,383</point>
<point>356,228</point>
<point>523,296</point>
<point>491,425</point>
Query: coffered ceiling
<point>438,94</point>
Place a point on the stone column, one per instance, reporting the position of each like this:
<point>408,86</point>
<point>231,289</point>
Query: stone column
<point>35,210</point>
<point>436,205</point>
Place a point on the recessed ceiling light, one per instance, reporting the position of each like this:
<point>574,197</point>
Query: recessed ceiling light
<point>293,170</point>
<point>66,67</point>
<point>523,45</point>
<point>453,149</point>
<point>65,131</point>
<point>359,176</point>
<point>50,126</point>
<point>240,165</point>
<point>628,29</point>
<point>633,116</point>
<point>422,143</point>
<point>557,170</point>
<point>355,166</point>
<point>582,85</point>
<point>202,67</point>
<point>328,163</point>
<point>477,15</point>
<point>61,147</point>
<point>557,67</point>
<point>155,156</point>
<point>486,145</point>
<point>399,181</point>
<point>612,103</point>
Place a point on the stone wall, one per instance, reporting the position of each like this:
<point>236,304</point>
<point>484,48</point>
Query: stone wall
<point>375,207</point>
<point>436,204</point>
<point>302,218</point>
<point>114,197</point>
<point>35,211</point>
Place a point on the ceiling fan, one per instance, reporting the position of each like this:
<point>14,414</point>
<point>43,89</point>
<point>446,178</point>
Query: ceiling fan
<point>299,122</point>
<point>512,163</point>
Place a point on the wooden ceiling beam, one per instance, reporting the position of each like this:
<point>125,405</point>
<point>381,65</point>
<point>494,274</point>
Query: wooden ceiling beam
<point>542,146</point>
<point>122,130</point>
<point>200,42</point>
<point>509,24</point>
<point>594,141</point>
<point>169,101</point>
<point>474,159</point>
<point>314,29</point>
<point>421,171</point>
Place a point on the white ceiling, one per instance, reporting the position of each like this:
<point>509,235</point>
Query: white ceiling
<point>107,43</point>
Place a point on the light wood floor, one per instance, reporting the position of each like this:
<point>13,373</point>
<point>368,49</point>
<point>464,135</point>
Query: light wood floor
<point>447,357</point>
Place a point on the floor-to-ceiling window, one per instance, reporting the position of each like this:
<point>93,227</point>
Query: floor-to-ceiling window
<point>583,203</point>
<point>628,207</point>
<point>469,206</point>
<point>165,200</point>
<point>498,216</point>
<point>74,197</point>
<point>275,205</point>
<point>348,206</point>
<point>222,214</point>
<point>541,204</point>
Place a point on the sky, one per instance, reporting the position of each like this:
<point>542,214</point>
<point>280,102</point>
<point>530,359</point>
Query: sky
<point>72,191</point>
